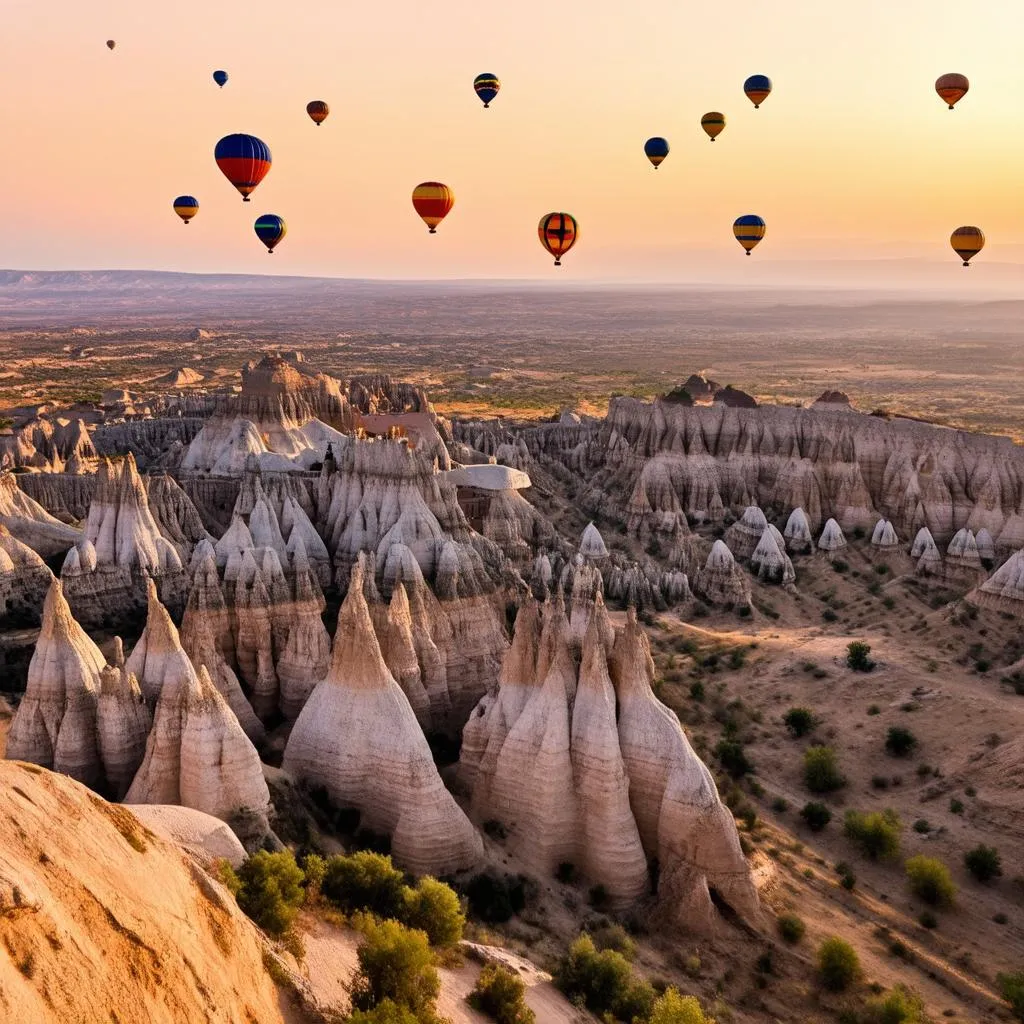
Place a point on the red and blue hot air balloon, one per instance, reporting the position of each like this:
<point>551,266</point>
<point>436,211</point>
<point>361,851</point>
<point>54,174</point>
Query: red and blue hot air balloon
<point>757,88</point>
<point>221,78</point>
<point>270,229</point>
<point>656,149</point>
<point>244,160</point>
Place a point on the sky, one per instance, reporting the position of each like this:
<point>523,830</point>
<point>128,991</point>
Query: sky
<point>852,157</point>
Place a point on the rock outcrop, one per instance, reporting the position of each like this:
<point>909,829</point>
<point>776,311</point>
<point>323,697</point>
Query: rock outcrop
<point>722,581</point>
<point>770,561</point>
<point>1003,591</point>
<point>358,738</point>
<point>743,536</point>
<point>832,538</point>
<point>30,523</point>
<point>24,580</point>
<point>884,536</point>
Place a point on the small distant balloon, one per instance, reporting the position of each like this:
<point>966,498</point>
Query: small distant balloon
<point>221,78</point>
<point>558,233</point>
<point>952,88</point>
<point>111,44</point>
<point>656,149</point>
<point>713,124</point>
<point>433,202</point>
<point>749,230</point>
<point>758,88</point>
<point>486,86</point>
<point>967,242</point>
<point>270,229</point>
<point>244,160</point>
<point>186,207</point>
<point>318,111</point>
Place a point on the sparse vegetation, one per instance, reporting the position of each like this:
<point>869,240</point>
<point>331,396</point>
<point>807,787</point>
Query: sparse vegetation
<point>900,1006</point>
<point>673,1008</point>
<point>838,964</point>
<point>930,881</point>
<point>816,815</point>
<point>799,721</point>
<point>857,656</point>
<point>396,964</point>
<point>791,928</point>
<point>1011,988</point>
<point>733,758</point>
<point>821,770</point>
<point>876,832</point>
<point>603,982</point>
<point>499,994</point>
<point>983,862</point>
<point>900,742</point>
<point>495,898</point>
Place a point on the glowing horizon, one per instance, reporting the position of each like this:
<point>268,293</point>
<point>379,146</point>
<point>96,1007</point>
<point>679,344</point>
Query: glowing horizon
<point>853,156</point>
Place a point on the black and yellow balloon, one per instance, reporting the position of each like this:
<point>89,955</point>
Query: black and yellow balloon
<point>749,230</point>
<point>967,242</point>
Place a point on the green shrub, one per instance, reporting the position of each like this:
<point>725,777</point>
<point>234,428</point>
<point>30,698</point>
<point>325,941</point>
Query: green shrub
<point>1011,988</point>
<point>395,963</point>
<point>877,832</point>
<point>857,656</point>
<point>791,928</point>
<point>499,994</point>
<point>314,867</point>
<point>930,880</point>
<point>899,1006</point>
<point>816,815</point>
<point>494,898</point>
<point>673,1008</point>
<point>434,908</point>
<point>900,742</point>
<point>603,982</point>
<point>365,881</point>
<point>733,758</point>
<point>956,806</point>
<point>838,964</point>
<point>271,890</point>
<point>821,771</point>
<point>984,862</point>
<point>614,937</point>
<point>385,1012</point>
<point>799,721</point>
<point>780,805</point>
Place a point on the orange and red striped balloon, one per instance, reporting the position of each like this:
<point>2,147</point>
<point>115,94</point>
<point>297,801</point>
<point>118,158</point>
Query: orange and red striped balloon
<point>952,88</point>
<point>318,111</point>
<point>433,202</point>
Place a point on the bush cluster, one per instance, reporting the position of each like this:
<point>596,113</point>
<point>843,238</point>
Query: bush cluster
<point>876,832</point>
<point>857,656</point>
<point>499,994</point>
<point>821,770</point>
<point>270,890</point>
<point>899,1006</point>
<point>900,742</point>
<point>930,881</point>
<point>838,964</point>
<point>984,862</point>
<point>799,721</point>
<point>791,928</point>
<point>816,815</point>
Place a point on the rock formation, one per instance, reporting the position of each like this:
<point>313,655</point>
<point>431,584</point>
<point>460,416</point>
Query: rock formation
<point>122,725</point>
<point>592,544</point>
<point>722,581</point>
<point>884,536</point>
<point>770,561</point>
<point>832,538</point>
<point>30,523</point>
<point>24,579</point>
<point>358,737</point>
<point>797,533</point>
<point>743,536</point>
<point>1003,591</point>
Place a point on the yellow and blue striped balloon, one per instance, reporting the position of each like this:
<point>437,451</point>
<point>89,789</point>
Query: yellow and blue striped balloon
<point>186,207</point>
<point>486,86</point>
<point>713,123</point>
<point>656,149</point>
<point>749,230</point>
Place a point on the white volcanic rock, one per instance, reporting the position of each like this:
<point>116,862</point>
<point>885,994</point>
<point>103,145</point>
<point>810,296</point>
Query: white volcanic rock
<point>675,587</point>
<point>592,544</point>
<point>223,446</point>
<point>122,725</point>
<point>254,636</point>
<point>722,581</point>
<point>120,524</point>
<point>929,558</point>
<point>298,529</point>
<point>923,541</point>
<point>176,516</point>
<point>884,536</point>
<point>231,548</point>
<point>515,525</point>
<point>986,545</point>
<point>30,523</point>
<point>743,536</point>
<point>55,724</point>
<point>358,737</point>
<point>399,652</point>
<point>586,585</point>
<point>770,561</point>
<point>24,577</point>
<point>198,756</point>
<point>203,637</point>
<point>542,575</point>
<point>264,527</point>
<point>680,818</point>
<point>1004,590</point>
<point>798,532</point>
<point>963,550</point>
<point>832,538</point>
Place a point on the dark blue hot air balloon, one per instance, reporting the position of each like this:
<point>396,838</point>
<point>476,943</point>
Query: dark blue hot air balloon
<point>757,88</point>
<point>656,150</point>
<point>270,229</point>
<point>244,160</point>
<point>221,78</point>
<point>486,87</point>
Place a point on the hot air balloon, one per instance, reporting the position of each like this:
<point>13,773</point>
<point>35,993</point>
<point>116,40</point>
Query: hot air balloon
<point>244,160</point>
<point>558,233</point>
<point>486,87</point>
<point>270,229</point>
<point>967,242</point>
<point>713,123</point>
<point>186,207</point>
<point>318,111</point>
<point>656,150</point>
<point>757,88</point>
<point>749,230</point>
<point>111,44</point>
<point>221,78</point>
<point>433,202</point>
<point>952,88</point>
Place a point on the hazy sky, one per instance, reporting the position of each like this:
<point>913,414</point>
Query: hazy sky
<point>853,155</point>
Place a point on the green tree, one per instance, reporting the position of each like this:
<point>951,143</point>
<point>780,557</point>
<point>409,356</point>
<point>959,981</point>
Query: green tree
<point>603,981</point>
<point>821,770</point>
<point>673,1008</point>
<point>984,862</point>
<point>271,890</point>
<point>365,881</point>
<point>799,721</point>
<point>877,832</point>
<point>857,656</point>
<point>500,994</point>
<point>838,964</point>
<point>930,881</point>
<point>385,1012</point>
<point>733,758</point>
<point>434,908</point>
<point>395,963</point>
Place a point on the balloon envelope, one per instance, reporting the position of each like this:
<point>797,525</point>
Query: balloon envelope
<point>952,88</point>
<point>967,242</point>
<point>558,233</point>
<point>220,77</point>
<point>318,111</point>
<point>186,207</point>
<point>432,201</point>
<point>656,149</point>
<point>244,160</point>
<point>757,88</point>
<point>713,123</point>
<point>749,230</point>
<point>486,86</point>
<point>270,229</point>
<point>111,44</point>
